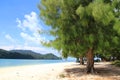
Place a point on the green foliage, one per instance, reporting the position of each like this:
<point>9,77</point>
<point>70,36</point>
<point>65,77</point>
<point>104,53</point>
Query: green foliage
<point>116,40</point>
<point>117,26</point>
<point>78,25</point>
<point>116,63</point>
<point>102,12</point>
<point>80,11</point>
<point>105,56</point>
<point>116,3</point>
<point>62,75</point>
<point>115,52</point>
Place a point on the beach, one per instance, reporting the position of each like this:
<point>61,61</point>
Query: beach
<point>59,71</point>
<point>33,72</point>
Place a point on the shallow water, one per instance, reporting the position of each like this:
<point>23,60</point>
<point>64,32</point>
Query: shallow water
<point>20,62</point>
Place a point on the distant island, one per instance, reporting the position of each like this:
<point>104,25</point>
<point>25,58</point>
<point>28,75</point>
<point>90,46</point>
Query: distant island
<point>25,54</point>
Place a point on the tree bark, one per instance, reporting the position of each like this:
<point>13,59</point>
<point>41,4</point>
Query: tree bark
<point>90,61</point>
<point>81,60</point>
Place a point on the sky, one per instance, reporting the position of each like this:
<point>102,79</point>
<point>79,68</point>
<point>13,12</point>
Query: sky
<point>19,26</point>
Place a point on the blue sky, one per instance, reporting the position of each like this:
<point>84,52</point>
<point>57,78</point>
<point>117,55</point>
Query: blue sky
<point>19,25</point>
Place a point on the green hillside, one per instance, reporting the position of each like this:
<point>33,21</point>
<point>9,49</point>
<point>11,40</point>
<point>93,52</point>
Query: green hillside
<point>25,54</point>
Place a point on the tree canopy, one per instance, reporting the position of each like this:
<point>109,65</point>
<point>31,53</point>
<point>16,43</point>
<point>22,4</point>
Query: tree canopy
<point>81,25</point>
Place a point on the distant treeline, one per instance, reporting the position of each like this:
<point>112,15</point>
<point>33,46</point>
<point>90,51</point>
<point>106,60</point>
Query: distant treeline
<point>25,54</point>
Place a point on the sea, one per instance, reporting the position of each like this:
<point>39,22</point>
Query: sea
<point>22,62</point>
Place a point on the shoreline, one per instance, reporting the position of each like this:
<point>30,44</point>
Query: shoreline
<point>24,62</point>
<point>9,66</point>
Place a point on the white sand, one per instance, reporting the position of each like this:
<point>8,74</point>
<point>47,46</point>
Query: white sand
<point>33,72</point>
<point>60,71</point>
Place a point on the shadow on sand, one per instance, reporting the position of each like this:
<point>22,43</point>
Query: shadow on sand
<point>105,70</point>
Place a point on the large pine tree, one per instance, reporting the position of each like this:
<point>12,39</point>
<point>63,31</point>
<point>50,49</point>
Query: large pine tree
<point>80,27</point>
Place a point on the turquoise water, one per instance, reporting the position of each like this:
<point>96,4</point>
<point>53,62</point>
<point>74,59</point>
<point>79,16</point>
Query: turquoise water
<point>20,62</point>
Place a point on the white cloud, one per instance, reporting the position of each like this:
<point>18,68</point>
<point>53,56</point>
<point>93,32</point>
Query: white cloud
<point>34,38</point>
<point>7,36</point>
<point>20,24</point>
<point>31,27</point>
<point>27,37</point>
<point>41,50</point>
<point>30,22</point>
<point>7,47</point>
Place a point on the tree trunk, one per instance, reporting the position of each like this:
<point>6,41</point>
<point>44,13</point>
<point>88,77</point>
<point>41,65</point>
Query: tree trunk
<point>90,61</point>
<point>81,60</point>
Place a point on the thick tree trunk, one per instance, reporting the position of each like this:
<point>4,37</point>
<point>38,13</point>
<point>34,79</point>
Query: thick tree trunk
<point>90,61</point>
<point>81,60</point>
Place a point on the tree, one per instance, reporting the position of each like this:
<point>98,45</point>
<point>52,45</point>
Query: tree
<point>79,26</point>
<point>115,50</point>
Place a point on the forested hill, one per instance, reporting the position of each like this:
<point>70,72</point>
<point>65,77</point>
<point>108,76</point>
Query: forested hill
<point>25,54</point>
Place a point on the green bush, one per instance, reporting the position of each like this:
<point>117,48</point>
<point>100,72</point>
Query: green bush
<point>61,75</point>
<point>116,63</point>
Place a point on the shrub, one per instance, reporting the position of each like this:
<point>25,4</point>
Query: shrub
<point>61,75</point>
<point>116,63</point>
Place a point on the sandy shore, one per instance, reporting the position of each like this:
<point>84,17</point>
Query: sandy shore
<point>33,72</point>
<point>60,71</point>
